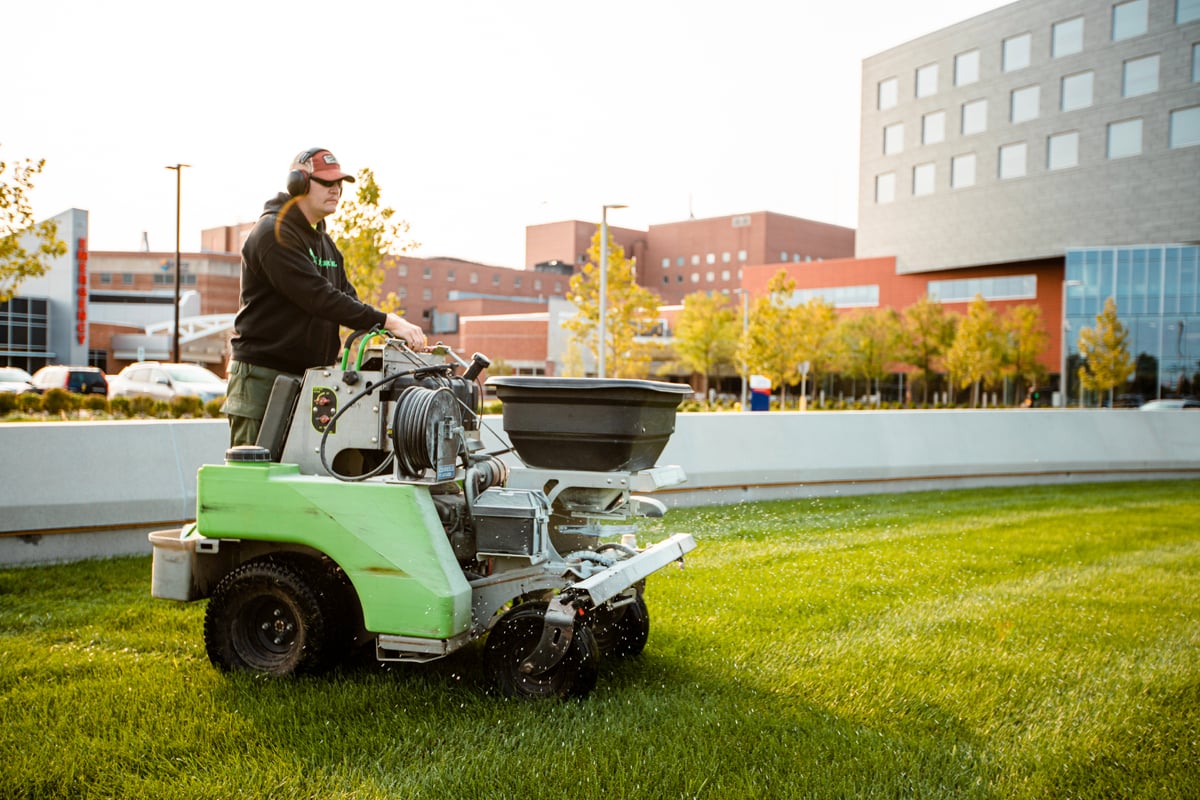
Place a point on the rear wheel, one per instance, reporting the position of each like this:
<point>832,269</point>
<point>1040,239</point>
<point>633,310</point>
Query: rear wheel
<point>516,636</point>
<point>270,617</point>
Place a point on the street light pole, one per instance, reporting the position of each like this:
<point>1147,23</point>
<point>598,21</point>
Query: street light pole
<point>1062,346</point>
<point>175,330</point>
<point>600,372</point>
<point>745,329</point>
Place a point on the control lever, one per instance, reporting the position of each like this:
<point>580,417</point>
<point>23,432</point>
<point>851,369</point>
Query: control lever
<point>479,362</point>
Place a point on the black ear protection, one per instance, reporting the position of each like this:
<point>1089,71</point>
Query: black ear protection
<point>298,179</point>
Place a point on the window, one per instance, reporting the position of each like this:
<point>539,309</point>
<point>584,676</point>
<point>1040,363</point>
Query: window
<point>966,68</point>
<point>840,296</point>
<point>923,177</point>
<point>450,275</point>
<point>927,80</point>
<point>726,257</point>
<point>962,171</point>
<point>1128,20</point>
<point>893,139</point>
<point>1062,150</point>
<point>1066,38</point>
<point>1195,63</point>
<point>1139,76</point>
<point>1012,161</point>
<point>496,280</point>
<point>974,117</point>
<point>963,290</point>
<point>1186,11</point>
<point>1025,103</point>
<point>427,294</point>
<point>710,276</point>
<point>695,261</point>
<point>742,255</point>
<point>428,273</point>
<point>666,262</point>
<point>710,258</point>
<point>1077,91</point>
<point>889,93</point>
<point>783,256</point>
<point>474,277</point>
<point>1185,127</point>
<point>933,127</point>
<point>679,261</point>
<point>1125,138</point>
<point>1016,52</point>
<point>885,189</point>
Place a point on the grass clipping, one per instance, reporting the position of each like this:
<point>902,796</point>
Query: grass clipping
<point>1032,642</point>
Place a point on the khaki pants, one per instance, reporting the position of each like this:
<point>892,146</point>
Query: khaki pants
<point>246,400</point>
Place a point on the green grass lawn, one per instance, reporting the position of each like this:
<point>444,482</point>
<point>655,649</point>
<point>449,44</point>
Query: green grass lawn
<point>1004,643</point>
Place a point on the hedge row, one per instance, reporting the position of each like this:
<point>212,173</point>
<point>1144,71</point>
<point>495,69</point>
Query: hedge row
<point>64,404</point>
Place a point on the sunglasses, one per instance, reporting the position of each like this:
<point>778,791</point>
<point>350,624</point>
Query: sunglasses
<point>326,183</point>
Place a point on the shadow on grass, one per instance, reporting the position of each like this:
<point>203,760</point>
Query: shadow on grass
<point>655,725</point>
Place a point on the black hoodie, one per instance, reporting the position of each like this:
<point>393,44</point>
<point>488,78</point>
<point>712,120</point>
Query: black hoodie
<point>295,294</point>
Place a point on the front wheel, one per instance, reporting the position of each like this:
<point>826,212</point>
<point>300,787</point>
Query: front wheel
<point>269,617</point>
<point>622,631</point>
<point>516,636</point>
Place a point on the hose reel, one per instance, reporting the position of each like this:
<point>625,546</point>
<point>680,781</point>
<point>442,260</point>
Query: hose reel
<point>426,431</point>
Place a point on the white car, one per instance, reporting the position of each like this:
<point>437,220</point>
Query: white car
<point>166,381</point>
<point>1171,403</point>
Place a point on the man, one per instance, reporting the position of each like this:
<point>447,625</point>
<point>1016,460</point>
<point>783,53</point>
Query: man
<point>295,294</point>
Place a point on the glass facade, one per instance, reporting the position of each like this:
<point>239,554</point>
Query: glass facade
<point>1157,292</point>
<point>25,333</point>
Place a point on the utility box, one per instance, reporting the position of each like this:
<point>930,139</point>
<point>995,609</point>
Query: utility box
<point>510,522</point>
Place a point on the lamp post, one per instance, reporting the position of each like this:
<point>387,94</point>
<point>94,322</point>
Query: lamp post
<point>1062,346</point>
<point>604,288</point>
<point>745,329</point>
<point>175,330</point>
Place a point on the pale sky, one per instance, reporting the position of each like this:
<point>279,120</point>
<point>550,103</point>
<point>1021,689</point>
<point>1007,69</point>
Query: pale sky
<point>478,118</point>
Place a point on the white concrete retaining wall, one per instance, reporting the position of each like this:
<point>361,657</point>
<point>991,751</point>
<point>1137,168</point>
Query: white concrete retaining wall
<point>84,490</point>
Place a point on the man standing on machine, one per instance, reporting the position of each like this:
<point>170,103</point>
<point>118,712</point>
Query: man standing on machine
<point>295,294</point>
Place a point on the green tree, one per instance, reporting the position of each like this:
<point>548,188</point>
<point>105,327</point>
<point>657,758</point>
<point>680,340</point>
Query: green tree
<point>368,234</point>
<point>1024,338</point>
<point>26,247</point>
<point>974,359</point>
<point>927,332</point>
<point>631,310</point>
<point>769,346</point>
<point>706,334</point>
<point>1105,350</point>
<point>872,341</point>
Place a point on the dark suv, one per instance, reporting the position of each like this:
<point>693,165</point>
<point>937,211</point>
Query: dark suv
<point>80,380</point>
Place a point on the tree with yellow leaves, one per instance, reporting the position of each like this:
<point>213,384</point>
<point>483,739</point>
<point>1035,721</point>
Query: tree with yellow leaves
<point>706,334</point>
<point>1105,352</point>
<point>26,248</point>
<point>631,310</point>
<point>769,346</point>
<point>366,233</point>
<point>975,357</point>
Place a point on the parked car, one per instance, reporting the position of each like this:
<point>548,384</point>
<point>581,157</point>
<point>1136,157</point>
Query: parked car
<point>80,380</point>
<point>166,381</point>
<point>1171,403</point>
<point>15,380</point>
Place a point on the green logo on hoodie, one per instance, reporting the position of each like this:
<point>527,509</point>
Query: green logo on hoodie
<point>329,263</point>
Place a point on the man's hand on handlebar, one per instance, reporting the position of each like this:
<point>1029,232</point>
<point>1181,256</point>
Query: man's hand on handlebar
<point>401,328</point>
